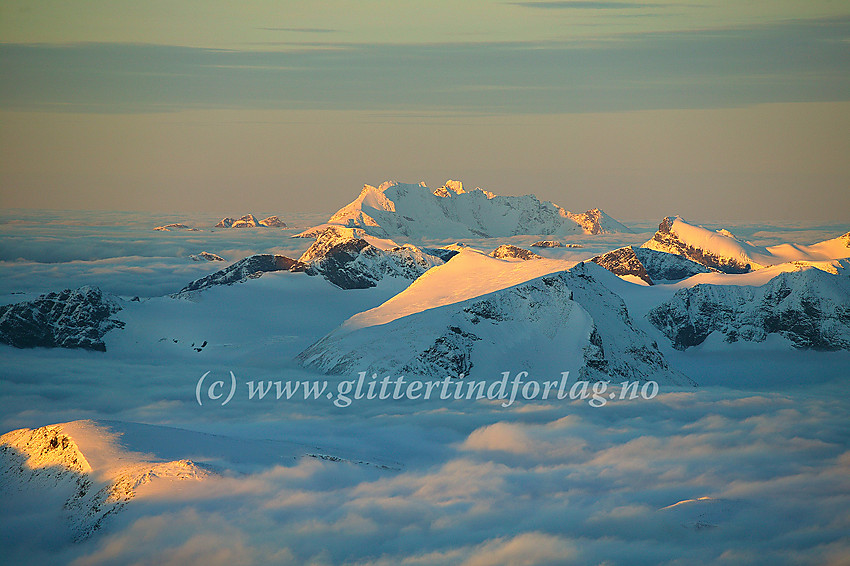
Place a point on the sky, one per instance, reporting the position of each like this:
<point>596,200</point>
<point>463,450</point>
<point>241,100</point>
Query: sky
<point>715,110</point>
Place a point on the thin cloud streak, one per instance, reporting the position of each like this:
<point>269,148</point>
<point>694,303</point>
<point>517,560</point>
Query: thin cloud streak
<point>587,5</point>
<point>794,62</point>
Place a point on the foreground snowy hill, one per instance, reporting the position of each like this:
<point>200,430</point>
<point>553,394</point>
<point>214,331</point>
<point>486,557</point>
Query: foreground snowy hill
<point>725,252</point>
<point>86,461</point>
<point>810,307</point>
<point>408,211</point>
<point>565,321</point>
<point>98,467</point>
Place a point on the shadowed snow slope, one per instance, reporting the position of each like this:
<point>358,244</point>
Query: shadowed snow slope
<point>409,211</point>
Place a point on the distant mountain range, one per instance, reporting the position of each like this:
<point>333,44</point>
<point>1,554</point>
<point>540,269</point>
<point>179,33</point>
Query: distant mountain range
<point>467,311</point>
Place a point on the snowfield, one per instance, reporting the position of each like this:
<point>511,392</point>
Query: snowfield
<point>107,457</point>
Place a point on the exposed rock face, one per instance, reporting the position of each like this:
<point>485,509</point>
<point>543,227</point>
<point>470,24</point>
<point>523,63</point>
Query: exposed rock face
<point>667,239</point>
<point>811,308</point>
<point>206,256</point>
<point>623,261</point>
<point>249,221</point>
<point>507,251</point>
<point>350,262</point>
<point>250,267</point>
<point>569,312</point>
<point>661,266</point>
<point>649,265</point>
<point>73,318</point>
<point>547,244</point>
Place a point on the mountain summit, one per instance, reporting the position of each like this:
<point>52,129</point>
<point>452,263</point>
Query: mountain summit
<point>404,211</point>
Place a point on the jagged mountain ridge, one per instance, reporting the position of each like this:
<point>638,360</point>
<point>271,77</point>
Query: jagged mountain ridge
<point>405,212</point>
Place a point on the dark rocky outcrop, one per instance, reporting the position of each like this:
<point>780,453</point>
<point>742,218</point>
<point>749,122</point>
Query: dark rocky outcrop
<point>73,318</point>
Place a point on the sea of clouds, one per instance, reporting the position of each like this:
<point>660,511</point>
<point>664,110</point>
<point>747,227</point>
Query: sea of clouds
<point>765,437</point>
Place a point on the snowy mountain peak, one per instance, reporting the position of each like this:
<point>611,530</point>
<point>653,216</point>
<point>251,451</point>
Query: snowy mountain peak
<point>406,212</point>
<point>247,268</point>
<point>272,222</point>
<point>250,221</point>
<point>718,249</point>
<point>722,250</point>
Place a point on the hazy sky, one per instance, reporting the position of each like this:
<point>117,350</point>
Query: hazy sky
<point>715,110</point>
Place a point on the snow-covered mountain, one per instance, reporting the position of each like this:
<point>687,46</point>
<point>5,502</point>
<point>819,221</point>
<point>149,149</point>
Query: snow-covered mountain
<point>649,265</point>
<point>722,250</point>
<point>249,221</point>
<point>92,470</point>
<point>73,318</point>
<point>507,251</point>
<point>408,211</point>
<point>350,259</point>
<point>623,262</point>
<point>563,321</point>
<point>174,226</point>
<point>206,256</point>
<point>810,307</point>
<point>717,249</point>
<point>85,461</point>
<point>251,266</point>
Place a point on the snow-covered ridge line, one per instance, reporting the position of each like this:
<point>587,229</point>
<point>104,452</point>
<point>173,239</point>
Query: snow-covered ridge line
<point>407,212</point>
<point>723,251</point>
